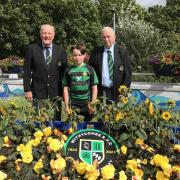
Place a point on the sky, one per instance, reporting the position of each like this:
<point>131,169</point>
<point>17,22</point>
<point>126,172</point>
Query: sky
<point>148,3</point>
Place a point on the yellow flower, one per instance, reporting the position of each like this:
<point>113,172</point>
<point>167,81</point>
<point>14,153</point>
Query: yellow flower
<point>160,176</point>
<point>27,158</point>
<point>47,131</point>
<point>122,175</point>
<point>57,132</point>
<point>171,103</point>
<point>49,140</point>
<point>125,100</point>
<point>57,165</point>
<point>139,173</point>
<point>81,168</point>
<point>55,145</point>
<point>131,164</point>
<point>166,116</point>
<point>64,137</point>
<point>92,172</point>
<point>159,160</point>
<point>20,147</point>
<point>2,158</point>
<point>38,134</point>
<point>38,166</point>
<point>176,147</point>
<point>26,154</point>
<point>150,149</point>
<point>3,175</point>
<point>151,108</point>
<point>124,149</point>
<point>147,101</point>
<point>119,116</point>
<point>123,89</point>
<point>6,139</point>
<point>166,169</point>
<point>35,142</point>
<point>176,169</point>
<point>139,141</point>
<point>106,118</point>
<point>108,171</point>
<point>18,168</point>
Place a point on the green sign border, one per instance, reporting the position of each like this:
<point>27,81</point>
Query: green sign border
<point>92,130</point>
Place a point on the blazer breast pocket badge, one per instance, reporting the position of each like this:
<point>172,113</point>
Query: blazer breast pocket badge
<point>121,68</point>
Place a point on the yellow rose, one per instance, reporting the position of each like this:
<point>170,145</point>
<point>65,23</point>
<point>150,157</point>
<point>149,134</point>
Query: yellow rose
<point>55,145</point>
<point>92,172</point>
<point>2,158</point>
<point>139,173</point>
<point>124,149</point>
<point>3,175</point>
<point>27,158</point>
<point>122,175</point>
<point>160,176</point>
<point>57,165</point>
<point>6,139</point>
<point>81,168</point>
<point>132,164</point>
<point>176,169</point>
<point>159,159</point>
<point>176,147</point>
<point>20,147</point>
<point>119,116</point>
<point>47,131</point>
<point>107,172</point>
<point>38,134</point>
<point>139,141</point>
<point>38,166</point>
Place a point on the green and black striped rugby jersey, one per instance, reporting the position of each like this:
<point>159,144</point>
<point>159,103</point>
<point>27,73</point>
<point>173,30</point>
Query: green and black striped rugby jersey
<point>80,79</point>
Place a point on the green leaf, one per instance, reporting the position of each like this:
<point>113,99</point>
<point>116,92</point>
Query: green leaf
<point>123,137</point>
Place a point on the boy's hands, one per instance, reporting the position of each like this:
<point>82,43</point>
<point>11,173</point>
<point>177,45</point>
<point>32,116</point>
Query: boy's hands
<point>91,108</point>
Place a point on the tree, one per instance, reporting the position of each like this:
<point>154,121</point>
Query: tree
<point>141,38</point>
<point>20,21</point>
<point>106,9</point>
<point>167,19</point>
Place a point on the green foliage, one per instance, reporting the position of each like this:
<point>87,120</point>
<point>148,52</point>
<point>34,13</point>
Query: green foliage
<point>20,22</point>
<point>108,7</point>
<point>167,20</point>
<point>141,39</point>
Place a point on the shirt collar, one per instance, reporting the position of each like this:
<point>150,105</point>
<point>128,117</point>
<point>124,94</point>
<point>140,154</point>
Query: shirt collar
<point>49,46</point>
<point>111,49</point>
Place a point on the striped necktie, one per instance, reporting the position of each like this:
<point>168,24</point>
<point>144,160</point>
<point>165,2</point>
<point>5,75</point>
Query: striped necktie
<point>110,64</point>
<point>47,54</point>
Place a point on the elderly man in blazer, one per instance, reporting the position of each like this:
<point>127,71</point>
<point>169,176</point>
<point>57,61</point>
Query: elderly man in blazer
<point>122,73</point>
<point>44,65</point>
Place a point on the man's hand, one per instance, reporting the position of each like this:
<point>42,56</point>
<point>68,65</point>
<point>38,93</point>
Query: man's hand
<point>29,96</point>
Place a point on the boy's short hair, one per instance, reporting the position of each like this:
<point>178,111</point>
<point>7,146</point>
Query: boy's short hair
<point>80,46</point>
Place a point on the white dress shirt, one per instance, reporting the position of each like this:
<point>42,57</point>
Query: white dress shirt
<point>106,81</point>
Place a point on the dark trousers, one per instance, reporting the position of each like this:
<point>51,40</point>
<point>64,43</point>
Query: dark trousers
<point>83,106</point>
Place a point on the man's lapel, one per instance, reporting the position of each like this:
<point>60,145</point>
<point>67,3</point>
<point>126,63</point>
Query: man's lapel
<point>41,54</point>
<point>101,58</point>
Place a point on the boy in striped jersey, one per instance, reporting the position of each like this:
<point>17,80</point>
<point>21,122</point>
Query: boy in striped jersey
<point>80,83</point>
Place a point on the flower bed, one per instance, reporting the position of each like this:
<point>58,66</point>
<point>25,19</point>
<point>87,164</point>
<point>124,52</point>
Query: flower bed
<point>166,64</point>
<point>141,131</point>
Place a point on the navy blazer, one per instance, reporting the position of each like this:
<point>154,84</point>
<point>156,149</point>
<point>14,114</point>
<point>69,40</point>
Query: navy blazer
<point>122,67</point>
<point>45,81</point>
